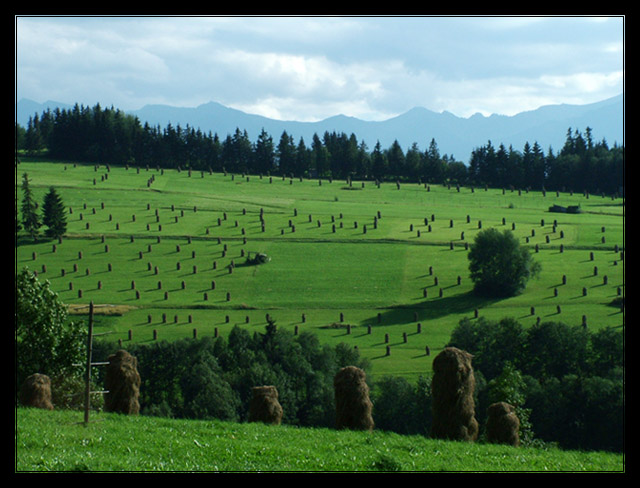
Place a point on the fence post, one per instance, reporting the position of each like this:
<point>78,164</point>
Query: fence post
<point>89,364</point>
<point>87,385</point>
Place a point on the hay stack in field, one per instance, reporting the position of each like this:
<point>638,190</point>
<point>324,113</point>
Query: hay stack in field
<point>122,381</point>
<point>353,406</point>
<point>264,406</point>
<point>36,392</point>
<point>453,404</point>
<point>502,424</point>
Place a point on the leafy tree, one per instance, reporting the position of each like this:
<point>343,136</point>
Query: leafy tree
<point>46,342</point>
<point>456,172</point>
<point>566,382</point>
<point>579,412</point>
<point>511,387</point>
<point>206,393</point>
<point>499,265</point>
<point>556,349</point>
<point>400,406</point>
<point>53,214</point>
<point>30,218</point>
<point>494,345</point>
<point>213,378</point>
<point>608,351</point>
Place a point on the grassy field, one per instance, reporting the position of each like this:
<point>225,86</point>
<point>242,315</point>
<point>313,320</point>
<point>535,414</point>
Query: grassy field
<point>59,441</point>
<point>370,266</point>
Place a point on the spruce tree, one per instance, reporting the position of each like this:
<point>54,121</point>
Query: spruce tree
<point>30,218</point>
<point>53,214</point>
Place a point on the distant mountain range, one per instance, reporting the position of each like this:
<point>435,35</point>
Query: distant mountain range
<point>455,136</point>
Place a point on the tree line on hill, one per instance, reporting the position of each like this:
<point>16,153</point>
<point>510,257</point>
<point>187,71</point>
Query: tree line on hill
<point>109,136</point>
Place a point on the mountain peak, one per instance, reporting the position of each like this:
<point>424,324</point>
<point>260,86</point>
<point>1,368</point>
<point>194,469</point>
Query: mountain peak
<point>454,135</point>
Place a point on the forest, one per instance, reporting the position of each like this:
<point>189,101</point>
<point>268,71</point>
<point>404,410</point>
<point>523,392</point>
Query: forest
<point>569,394</point>
<point>109,136</point>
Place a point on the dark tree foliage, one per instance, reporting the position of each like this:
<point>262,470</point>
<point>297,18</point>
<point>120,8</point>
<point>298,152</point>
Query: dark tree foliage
<point>493,344</point>
<point>30,219</point>
<point>46,341</point>
<point>54,216</point>
<point>401,406</point>
<point>212,377</point>
<point>581,165</point>
<point>499,266</point>
<point>572,378</point>
<point>109,136</point>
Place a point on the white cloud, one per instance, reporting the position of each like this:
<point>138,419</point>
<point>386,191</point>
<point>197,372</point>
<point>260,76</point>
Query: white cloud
<point>585,82</point>
<point>308,68</point>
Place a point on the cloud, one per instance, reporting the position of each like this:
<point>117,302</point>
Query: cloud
<point>309,68</point>
<point>585,82</point>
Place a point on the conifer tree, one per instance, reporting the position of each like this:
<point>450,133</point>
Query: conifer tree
<point>30,218</point>
<point>53,214</point>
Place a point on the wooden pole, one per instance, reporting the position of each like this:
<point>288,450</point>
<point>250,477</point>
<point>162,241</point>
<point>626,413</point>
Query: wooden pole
<point>87,390</point>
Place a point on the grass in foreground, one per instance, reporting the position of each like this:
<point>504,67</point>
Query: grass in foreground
<point>59,441</point>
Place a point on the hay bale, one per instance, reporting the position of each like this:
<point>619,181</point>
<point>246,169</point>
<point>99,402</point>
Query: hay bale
<point>453,405</point>
<point>353,406</point>
<point>122,381</point>
<point>502,424</point>
<point>264,406</point>
<point>36,392</point>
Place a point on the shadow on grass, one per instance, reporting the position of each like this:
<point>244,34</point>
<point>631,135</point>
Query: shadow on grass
<point>23,240</point>
<point>430,309</point>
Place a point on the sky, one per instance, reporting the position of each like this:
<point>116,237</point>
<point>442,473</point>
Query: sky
<point>309,68</point>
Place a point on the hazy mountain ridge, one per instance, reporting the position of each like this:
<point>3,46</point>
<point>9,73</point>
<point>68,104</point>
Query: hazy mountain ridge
<point>454,135</point>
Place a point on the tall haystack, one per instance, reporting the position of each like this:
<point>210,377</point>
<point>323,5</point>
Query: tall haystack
<point>122,382</point>
<point>264,406</point>
<point>353,406</point>
<point>502,424</point>
<point>36,392</point>
<point>453,405</point>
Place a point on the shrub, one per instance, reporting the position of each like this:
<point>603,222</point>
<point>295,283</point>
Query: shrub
<point>46,341</point>
<point>499,266</point>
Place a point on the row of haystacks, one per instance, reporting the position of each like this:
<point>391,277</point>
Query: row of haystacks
<point>453,405</point>
<point>122,386</point>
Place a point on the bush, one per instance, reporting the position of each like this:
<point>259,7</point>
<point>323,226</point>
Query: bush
<point>499,265</point>
<point>402,407</point>
<point>46,341</point>
<point>493,344</point>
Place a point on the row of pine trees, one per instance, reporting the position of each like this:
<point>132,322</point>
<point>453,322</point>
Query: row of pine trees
<point>109,136</point>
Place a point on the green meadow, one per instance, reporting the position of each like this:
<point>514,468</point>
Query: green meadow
<point>58,441</point>
<point>382,268</point>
